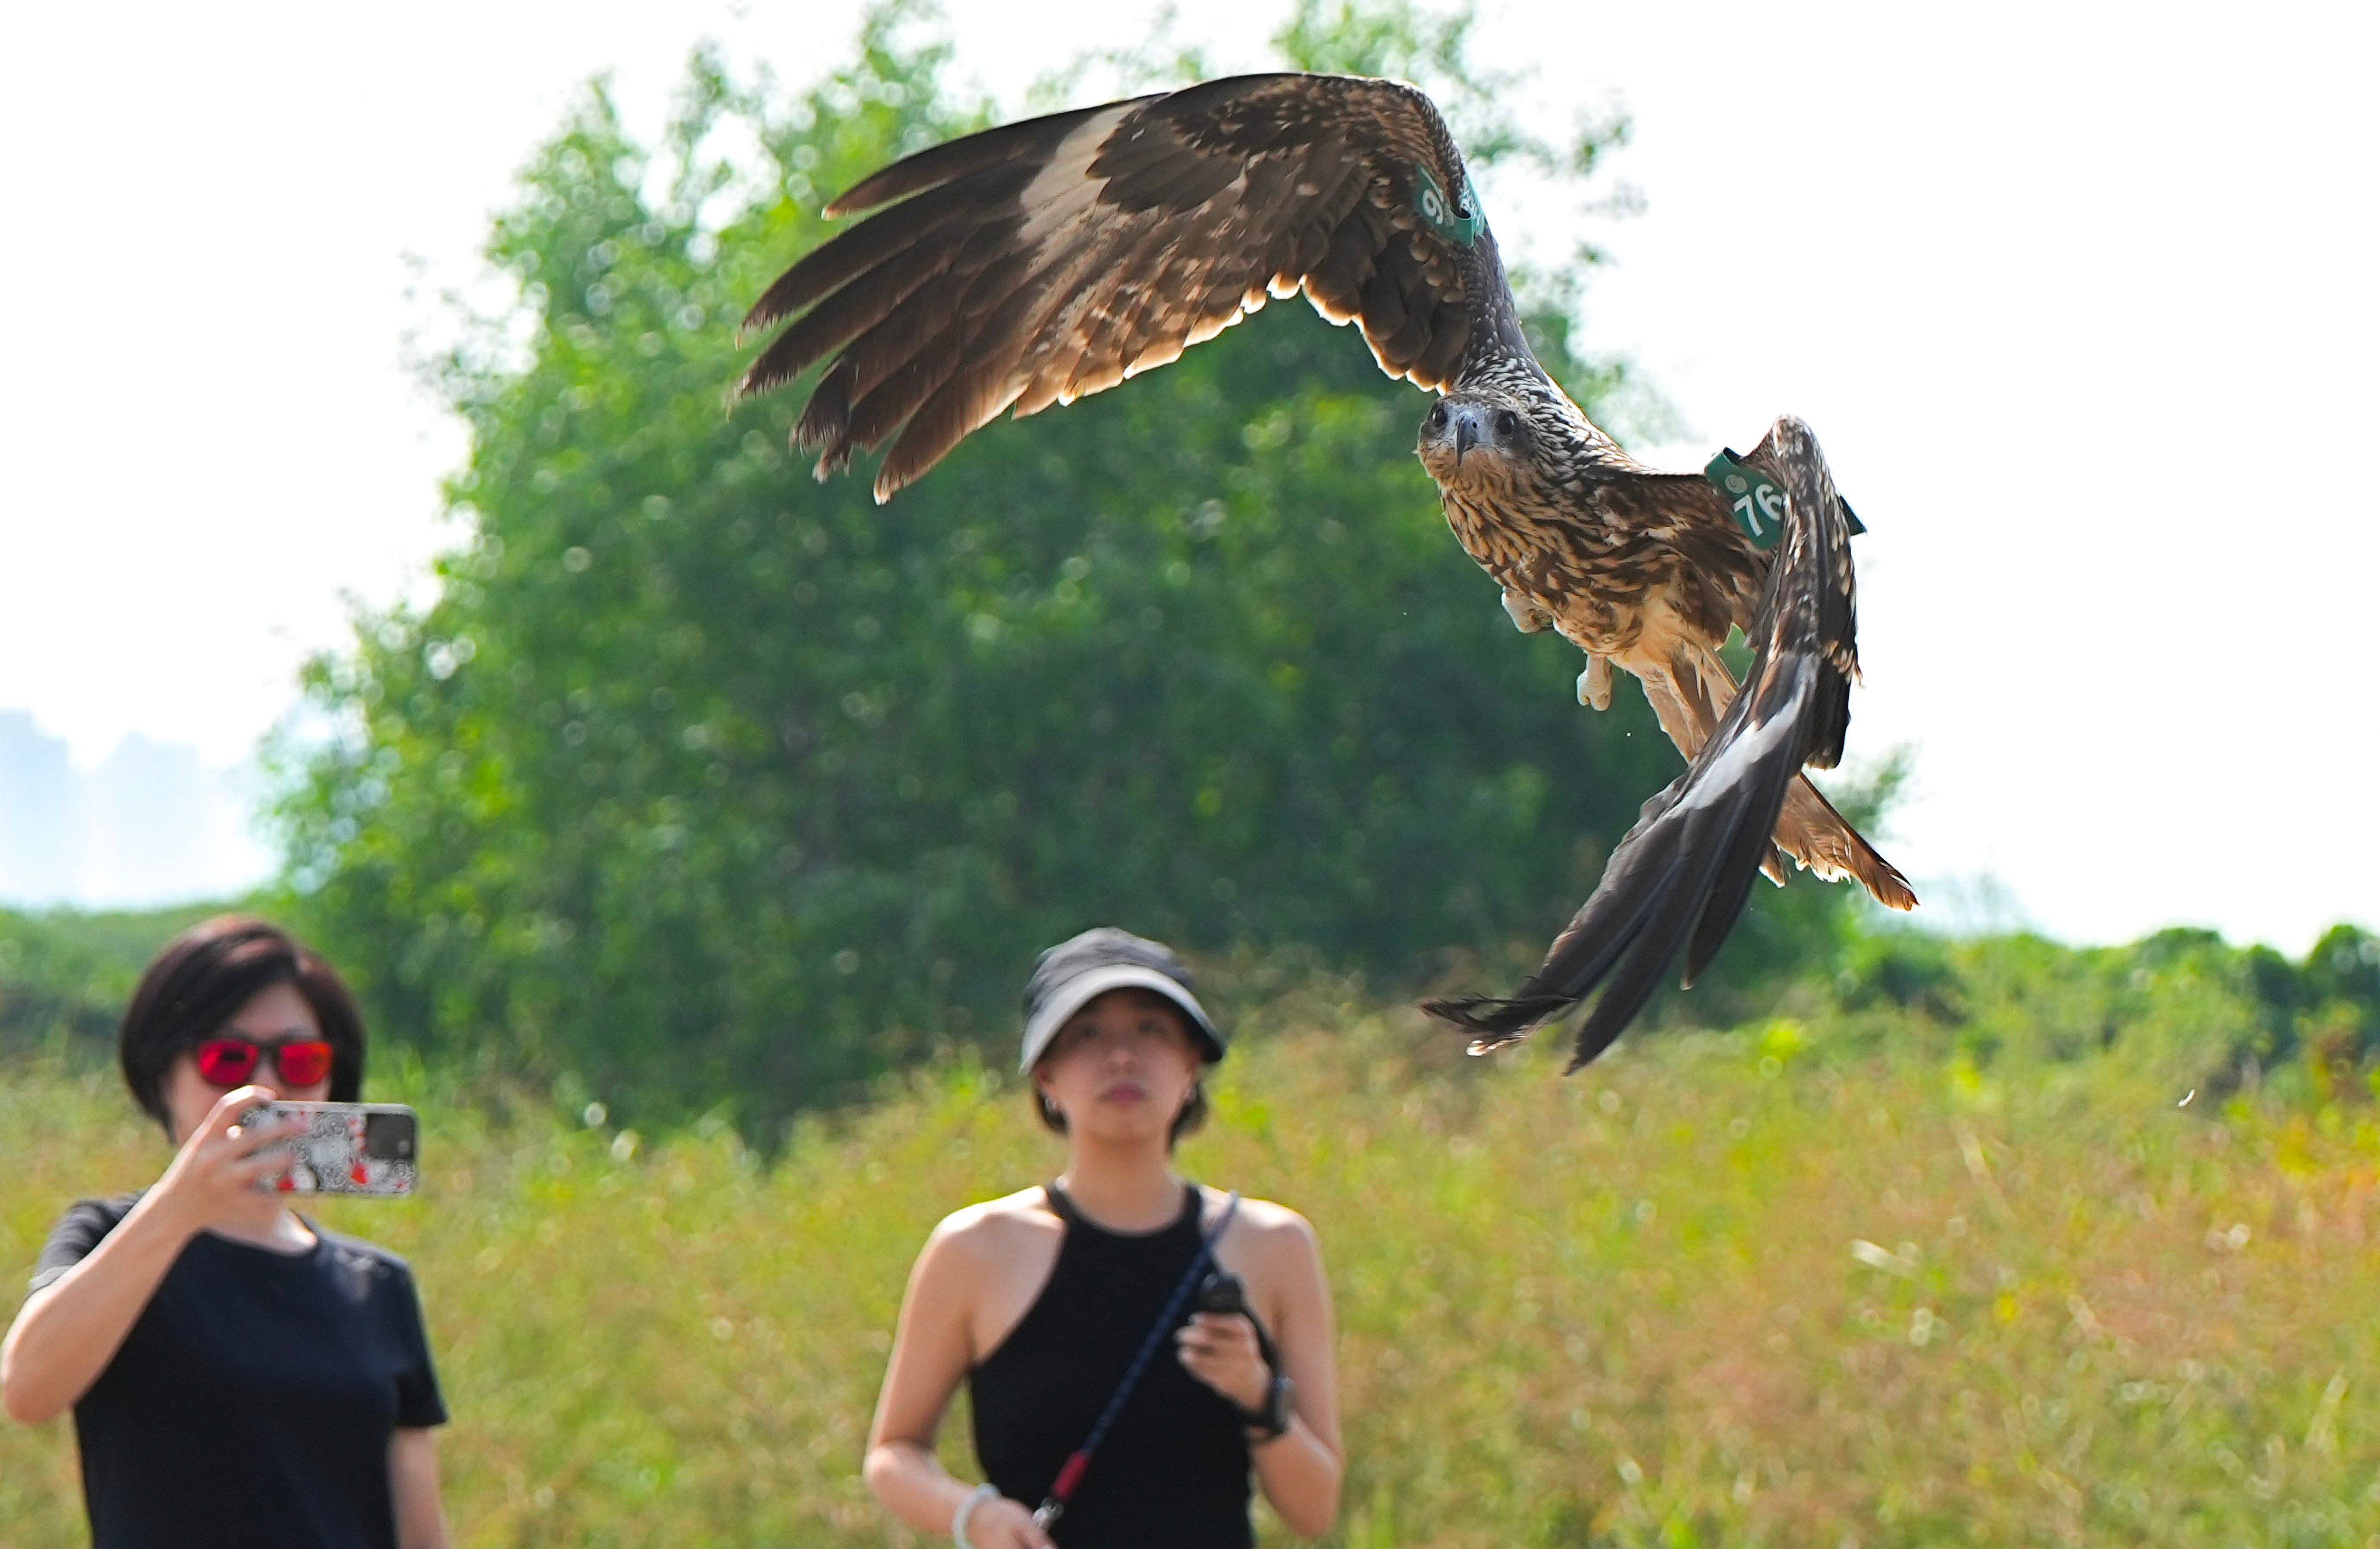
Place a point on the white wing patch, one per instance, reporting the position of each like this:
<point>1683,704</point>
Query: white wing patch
<point>1064,190</point>
<point>1749,749</point>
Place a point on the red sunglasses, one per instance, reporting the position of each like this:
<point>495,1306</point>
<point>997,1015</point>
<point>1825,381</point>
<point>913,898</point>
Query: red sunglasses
<point>229,1061</point>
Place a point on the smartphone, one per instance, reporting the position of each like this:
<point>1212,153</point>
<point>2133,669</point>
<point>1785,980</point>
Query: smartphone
<point>368,1149</point>
<point>1222,1291</point>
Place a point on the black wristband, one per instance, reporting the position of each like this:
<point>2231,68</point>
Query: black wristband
<point>1271,1418</point>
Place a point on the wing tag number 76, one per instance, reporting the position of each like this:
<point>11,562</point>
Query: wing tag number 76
<point>1758,504</point>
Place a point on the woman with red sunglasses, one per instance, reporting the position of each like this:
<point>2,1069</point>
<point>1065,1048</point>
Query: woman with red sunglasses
<point>238,1376</point>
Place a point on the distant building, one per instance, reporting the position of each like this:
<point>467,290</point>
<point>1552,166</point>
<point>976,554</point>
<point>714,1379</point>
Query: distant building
<point>151,825</point>
<point>41,814</point>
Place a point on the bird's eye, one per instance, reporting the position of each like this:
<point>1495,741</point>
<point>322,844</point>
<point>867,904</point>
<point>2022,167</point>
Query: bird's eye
<point>1508,425</point>
<point>1437,416</point>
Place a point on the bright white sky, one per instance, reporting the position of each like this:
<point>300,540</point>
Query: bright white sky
<point>2078,297</point>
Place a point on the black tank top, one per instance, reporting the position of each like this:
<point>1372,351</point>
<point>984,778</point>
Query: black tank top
<point>1173,1474</point>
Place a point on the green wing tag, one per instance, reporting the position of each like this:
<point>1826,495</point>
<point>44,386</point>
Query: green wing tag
<point>1758,504</point>
<point>1455,223</point>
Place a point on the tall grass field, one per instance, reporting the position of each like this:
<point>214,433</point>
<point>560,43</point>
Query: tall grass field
<point>1719,1289</point>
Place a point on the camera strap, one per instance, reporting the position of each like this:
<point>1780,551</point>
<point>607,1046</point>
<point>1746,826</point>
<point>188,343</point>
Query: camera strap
<point>1070,1475</point>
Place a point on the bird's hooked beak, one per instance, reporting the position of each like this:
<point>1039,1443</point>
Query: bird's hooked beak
<point>1469,423</point>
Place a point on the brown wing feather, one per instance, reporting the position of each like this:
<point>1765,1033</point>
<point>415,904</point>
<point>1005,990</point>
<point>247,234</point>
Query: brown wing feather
<point>912,356</point>
<point>1442,357</point>
<point>1050,259</point>
<point>1091,354</point>
<point>870,298</point>
<point>842,258</point>
<point>1023,142</point>
<point>978,338</point>
<point>976,277</point>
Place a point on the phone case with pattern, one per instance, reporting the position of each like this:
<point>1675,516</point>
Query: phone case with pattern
<point>347,1148</point>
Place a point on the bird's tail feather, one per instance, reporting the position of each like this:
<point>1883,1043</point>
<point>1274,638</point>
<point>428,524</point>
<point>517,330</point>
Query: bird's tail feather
<point>1690,690</point>
<point>1813,833</point>
<point>1500,1020</point>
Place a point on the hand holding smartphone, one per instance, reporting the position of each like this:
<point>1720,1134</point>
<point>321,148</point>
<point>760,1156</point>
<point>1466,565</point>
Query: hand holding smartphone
<point>365,1149</point>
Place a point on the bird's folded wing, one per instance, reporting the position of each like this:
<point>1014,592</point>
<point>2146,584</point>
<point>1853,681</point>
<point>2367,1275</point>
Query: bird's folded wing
<point>1679,879</point>
<point>1043,261</point>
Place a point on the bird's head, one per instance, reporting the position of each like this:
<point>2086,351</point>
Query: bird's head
<point>1484,441</point>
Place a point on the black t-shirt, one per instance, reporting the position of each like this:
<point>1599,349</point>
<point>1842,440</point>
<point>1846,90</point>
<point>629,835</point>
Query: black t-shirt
<point>252,1402</point>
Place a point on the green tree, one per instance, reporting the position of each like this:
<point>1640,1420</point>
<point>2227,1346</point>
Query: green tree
<point>66,975</point>
<point>2182,1005</point>
<point>709,783</point>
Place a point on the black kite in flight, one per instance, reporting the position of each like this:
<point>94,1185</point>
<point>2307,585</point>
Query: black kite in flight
<point>1043,261</point>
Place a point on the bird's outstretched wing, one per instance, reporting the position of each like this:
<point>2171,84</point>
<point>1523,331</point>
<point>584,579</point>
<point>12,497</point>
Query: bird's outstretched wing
<point>1679,879</point>
<point>1043,261</point>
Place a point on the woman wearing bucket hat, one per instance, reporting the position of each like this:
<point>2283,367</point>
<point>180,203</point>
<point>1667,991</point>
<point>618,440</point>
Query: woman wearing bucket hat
<point>1133,1345</point>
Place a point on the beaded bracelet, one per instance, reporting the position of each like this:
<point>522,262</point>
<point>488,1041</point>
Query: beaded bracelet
<point>976,1497</point>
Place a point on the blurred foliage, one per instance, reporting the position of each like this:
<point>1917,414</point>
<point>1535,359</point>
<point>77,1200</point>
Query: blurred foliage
<point>66,975</point>
<point>1760,1288</point>
<point>2223,1017</point>
<point>708,783</point>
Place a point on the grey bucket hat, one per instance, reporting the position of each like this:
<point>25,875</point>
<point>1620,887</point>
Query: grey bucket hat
<point>1104,959</point>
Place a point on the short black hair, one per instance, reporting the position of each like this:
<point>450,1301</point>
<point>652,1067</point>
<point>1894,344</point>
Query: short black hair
<point>1194,1112</point>
<point>201,980</point>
